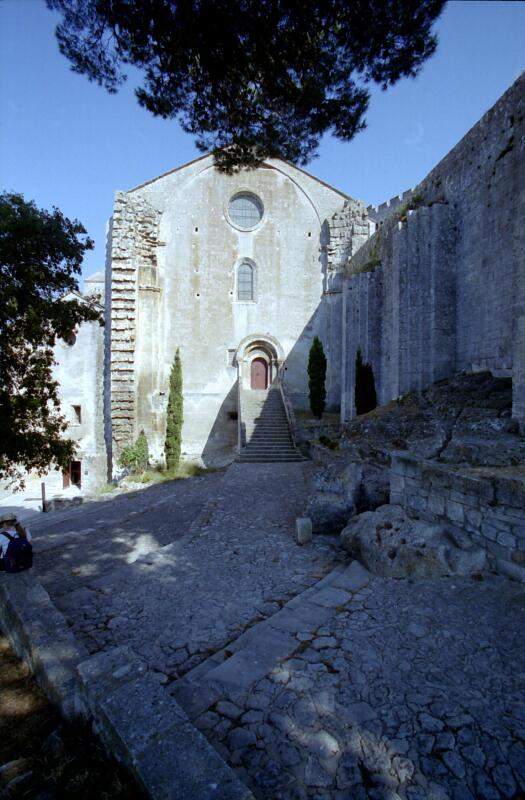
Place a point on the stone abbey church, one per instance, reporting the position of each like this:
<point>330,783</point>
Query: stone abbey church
<point>241,272</point>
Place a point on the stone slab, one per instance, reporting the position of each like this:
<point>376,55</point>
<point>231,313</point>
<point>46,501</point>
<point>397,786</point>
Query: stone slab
<point>330,597</point>
<point>305,616</point>
<point>354,577</point>
<point>107,671</point>
<point>194,697</point>
<point>250,664</point>
<point>183,766</point>
<point>137,714</point>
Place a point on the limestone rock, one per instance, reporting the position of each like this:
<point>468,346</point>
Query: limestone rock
<point>329,512</point>
<point>391,544</point>
<point>303,530</point>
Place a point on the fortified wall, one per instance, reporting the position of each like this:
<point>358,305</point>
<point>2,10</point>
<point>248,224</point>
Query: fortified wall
<point>440,286</point>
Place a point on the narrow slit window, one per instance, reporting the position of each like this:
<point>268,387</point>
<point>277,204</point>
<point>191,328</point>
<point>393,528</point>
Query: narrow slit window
<point>245,282</point>
<point>77,410</point>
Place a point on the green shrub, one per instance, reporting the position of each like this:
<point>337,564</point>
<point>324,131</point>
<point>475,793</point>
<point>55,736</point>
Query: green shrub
<point>365,386</point>
<point>135,456</point>
<point>415,202</point>
<point>327,442</point>
<point>317,378</point>
<point>172,446</point>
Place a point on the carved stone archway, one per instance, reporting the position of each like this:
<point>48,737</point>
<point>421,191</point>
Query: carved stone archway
<point>258,346</point>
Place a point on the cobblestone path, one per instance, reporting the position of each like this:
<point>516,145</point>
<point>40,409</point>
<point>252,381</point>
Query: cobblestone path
<point>176,604</point>
<point>80,544</point>
<point>405,690</point>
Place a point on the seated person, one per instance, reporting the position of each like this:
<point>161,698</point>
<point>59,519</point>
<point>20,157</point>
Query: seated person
<point>10,525</point>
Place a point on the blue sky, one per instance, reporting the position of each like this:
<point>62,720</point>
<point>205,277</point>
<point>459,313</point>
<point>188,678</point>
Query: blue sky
<point>67,142</point>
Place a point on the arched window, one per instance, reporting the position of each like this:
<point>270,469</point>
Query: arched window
<point>245,282</point>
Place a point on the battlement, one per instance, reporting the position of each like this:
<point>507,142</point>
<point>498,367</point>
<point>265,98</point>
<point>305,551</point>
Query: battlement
<point>384,210</point>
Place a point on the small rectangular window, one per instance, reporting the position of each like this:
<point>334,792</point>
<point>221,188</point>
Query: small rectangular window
<point>77,410</point>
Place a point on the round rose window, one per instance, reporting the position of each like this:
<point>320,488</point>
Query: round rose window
<point>245,210</point>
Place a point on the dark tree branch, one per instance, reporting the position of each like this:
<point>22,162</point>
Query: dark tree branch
<point>251,79</point>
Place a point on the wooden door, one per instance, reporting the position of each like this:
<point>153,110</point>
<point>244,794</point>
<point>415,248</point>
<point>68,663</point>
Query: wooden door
<point>76,473</point>
<point>259,374</point>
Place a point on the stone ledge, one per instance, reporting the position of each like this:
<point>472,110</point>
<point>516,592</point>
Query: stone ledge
<point>39,634</point>
<point>135,717</point>
<point>147,730</point>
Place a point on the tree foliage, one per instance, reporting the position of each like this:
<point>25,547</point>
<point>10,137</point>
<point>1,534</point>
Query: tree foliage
<point>174,420</point>
<point>317,378</point>
<point>136,456</point>
<point>41,254</point>
<point>365,386</point>
<point>262,78</point>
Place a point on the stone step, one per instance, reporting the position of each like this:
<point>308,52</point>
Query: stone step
<point>269,459</point>
<point>266,430</point>
<point>249,451</point>
<point>259,421</point>
<point>266,420</point>
<point>273,428</point>
<point>267,436</point>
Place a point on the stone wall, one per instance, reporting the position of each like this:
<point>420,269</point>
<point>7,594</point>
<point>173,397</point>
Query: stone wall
<point>134,239</point>
<point>400,311</point>
<point>490,508</point>
<point>442,288</point>
<point>344,233</point>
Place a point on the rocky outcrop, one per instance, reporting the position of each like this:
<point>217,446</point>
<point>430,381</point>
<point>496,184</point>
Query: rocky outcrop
<point>338,494</point>
<point>451,460</point>
<point>391,544</point>
<point>464,420</point>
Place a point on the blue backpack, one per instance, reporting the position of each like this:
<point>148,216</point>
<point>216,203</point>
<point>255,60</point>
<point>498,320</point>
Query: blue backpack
<point>19,554</point>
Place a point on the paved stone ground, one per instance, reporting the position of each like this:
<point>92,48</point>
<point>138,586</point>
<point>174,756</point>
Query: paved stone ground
<point>75,545</point>
<point>178,603</point>
<point>313,681</point>
<point>406,690</point>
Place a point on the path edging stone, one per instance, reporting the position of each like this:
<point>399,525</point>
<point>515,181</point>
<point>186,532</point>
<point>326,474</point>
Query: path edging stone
<point>40,636</point>
<point>150,733</point>
<point>135,717</point>
<point>270,641</point>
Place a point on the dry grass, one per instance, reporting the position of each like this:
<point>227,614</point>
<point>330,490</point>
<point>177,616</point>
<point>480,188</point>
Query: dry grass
<point>71,764</point>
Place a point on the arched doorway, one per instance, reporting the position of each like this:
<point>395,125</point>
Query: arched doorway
<point>259,374</point>
<point>255,349</point>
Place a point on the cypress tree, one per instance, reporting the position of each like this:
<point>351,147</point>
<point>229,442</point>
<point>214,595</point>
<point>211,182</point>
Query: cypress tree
<point>365,386</point>
<point>317,378</point>
<point>172,445</point>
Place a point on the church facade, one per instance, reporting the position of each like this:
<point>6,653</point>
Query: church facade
<point>227,269</point>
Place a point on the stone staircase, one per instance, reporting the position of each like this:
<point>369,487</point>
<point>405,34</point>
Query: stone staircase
<point>266,433</point>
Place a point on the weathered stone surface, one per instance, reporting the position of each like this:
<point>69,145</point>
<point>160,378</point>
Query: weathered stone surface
<point>303,530</point>
<point>39,634</point>
<point>382,710</point>
<point>329,512</point>
<point>390,543</point>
